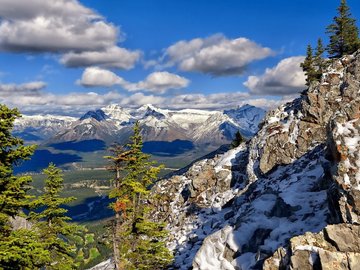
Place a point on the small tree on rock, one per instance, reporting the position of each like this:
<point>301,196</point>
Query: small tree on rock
<point>319,61</point>
<point>308,66</point>
<point>343,33</point>
<point>237,140</point>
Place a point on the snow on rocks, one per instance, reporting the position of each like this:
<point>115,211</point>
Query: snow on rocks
<point>193,202</point>
<point>299,173</point>
<point>334,247</point>
<point>105,265</point>
<point>287,202</point>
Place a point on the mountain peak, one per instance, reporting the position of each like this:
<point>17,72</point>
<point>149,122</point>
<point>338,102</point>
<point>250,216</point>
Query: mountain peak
<point>150,110</point>
<point>113,107</point>
<point>148,107</point>
<point>98,115</point>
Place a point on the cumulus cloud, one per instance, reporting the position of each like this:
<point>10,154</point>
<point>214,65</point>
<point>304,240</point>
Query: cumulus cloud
<point>139,99</point>
<point>77,103</point>
<point>53,26</point>
<point>25,88</point>
<point>112,57</point>
<point>220,101</point>
<point>215,55</point>
<point>158,82</point>
<point>285,78</point>
<point>34,100</point>
<point>95,77</point>
<point>63,26</point>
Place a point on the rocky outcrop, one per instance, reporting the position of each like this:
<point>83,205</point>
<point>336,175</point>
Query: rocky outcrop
<point>335,247</point>
<point>344,144</point>
<point>18,223</point>
<point>193,202</point>
<point>267,204</point>
<point>292,130</point>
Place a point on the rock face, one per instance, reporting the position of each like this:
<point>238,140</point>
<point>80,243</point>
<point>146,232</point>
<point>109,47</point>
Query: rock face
<point>335,247</point>
<point>293,130</point>
<point>269,204</point>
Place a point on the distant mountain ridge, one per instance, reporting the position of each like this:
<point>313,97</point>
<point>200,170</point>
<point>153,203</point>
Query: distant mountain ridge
<point>114,123</point>
<point>40,127</point>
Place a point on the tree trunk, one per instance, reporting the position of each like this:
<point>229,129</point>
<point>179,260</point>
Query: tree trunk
<point>116,241</point>
<point>116,230</point>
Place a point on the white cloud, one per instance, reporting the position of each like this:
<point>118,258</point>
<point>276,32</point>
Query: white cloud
<point>285,78</point>
<point>112,57</point>
<point>216,55</point>
<point>219,101</point>
<point>25,88</point>
<point>53,26</point>
<point>139,99</point>
<point>37,100</point>
<point>158,82</point>
<point>44,102</point>
<point>63,26</point>
<point>94,76</point>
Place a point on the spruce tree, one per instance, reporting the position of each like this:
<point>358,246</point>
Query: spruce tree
<point>119,193</point>
<point>343,33</point>
<point>19,249</point>
<point>308,66</point>
<point>319,61</point>
<point>141,241</point>
<point>237,140</point>
<point>52,224</point>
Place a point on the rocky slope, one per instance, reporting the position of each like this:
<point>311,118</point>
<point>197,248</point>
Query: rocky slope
<point>268,204</point>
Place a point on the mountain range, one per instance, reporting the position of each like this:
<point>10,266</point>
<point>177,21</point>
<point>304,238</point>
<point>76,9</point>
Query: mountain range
<point>114,123</point>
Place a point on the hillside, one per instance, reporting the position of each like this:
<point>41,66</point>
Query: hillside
<point>289,197</point>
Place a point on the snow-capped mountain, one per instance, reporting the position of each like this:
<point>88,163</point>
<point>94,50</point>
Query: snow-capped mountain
<point>93,125</point>
<point>120,115</point>
<point>247,116</point>
<point>40,127</point>
<point>114,123</point>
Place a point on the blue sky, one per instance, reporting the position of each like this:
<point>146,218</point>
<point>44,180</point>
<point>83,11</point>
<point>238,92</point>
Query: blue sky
<point>68,56</point>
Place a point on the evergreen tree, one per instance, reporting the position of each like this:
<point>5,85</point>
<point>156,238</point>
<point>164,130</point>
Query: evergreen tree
<point>319,61</point>
<point>237,140</point>
<point>19,249</point>
<point>343,33</point>
<point>118,159</point>
<point>308,66</point>
<point>140,240</point>
<point>52,223</point>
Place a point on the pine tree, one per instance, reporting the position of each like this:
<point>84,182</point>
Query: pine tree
<point>19,249</point>
<point>140,240</point>
<point>308,66</point>
<point>237,140</point>
<point>52,224</point>
<point>343,33</point>
<point>319,61</point>
<point>118,159</point>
